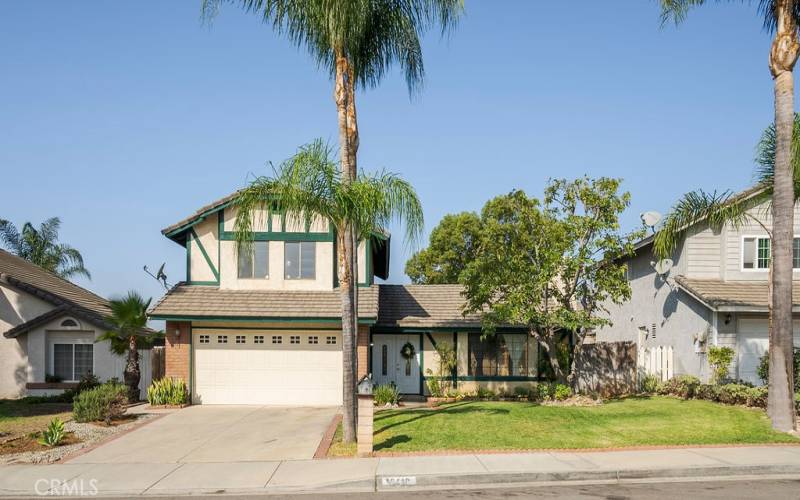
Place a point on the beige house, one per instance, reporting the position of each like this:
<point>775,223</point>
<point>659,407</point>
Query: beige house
<point>715,294</point>
<point>49,329</point>
<point>265,327</point>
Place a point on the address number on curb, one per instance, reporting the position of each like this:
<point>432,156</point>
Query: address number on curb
<point>399,480</point>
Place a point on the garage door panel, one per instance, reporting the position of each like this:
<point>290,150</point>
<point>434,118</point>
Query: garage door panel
<point>753,343</point>
<point>267,373</point>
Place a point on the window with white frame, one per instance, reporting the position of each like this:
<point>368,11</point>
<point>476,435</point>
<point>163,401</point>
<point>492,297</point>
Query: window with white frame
<point>258,339</point>
<point>72,361</point>
<point>300,260</point>
<point>222,339</point>
<point>313,339</point>
<point>254,264</point>
<point>277,339</point>
<point>205,339</point>
<point>240,339</point>
<point>330,340</point>
<point>757,253</point>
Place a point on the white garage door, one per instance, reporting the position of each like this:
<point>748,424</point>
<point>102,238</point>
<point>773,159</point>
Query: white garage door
<point>753,343</point>
<point>267,367</point>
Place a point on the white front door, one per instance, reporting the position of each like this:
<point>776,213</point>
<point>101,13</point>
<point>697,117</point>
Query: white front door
<point>390,366</point>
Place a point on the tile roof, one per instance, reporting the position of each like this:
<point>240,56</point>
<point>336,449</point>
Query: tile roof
<point>65,295</point>
<point>424,306</point>
<point>717,293</point>
<point>185,300</point>
<point>200,213</point>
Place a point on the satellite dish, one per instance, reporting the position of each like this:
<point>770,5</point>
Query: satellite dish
<point>650,219</point>
<point>663,266</point>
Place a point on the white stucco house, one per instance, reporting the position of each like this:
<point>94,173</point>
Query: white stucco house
<point>48,332</point>
<point>715,294</point>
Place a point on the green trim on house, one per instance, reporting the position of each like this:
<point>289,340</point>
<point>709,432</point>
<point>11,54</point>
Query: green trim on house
<point>455,350</point>
<point>176,317</point>
<point>269,328</point>
<point>189,257</point>
<point>204,253</point>
<point>281,236</point>
<point>220,229</point>
<point>421,366</point>
<point>196,220</point>
<point>430,337</point>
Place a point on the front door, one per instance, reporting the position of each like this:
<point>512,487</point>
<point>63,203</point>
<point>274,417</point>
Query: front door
<point>389,365</point>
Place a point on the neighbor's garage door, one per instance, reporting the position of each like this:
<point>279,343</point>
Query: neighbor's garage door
<point>267,367</point>
<point>753,343</point>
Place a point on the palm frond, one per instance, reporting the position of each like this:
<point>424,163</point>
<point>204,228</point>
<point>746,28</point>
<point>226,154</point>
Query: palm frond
<point>765,157</point>
<point>10,236</point>
<point>129,317</point>
<point>677,10</point>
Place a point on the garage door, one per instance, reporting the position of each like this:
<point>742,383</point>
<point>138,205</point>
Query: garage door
<point>267,367</point>
<point>753,343</point>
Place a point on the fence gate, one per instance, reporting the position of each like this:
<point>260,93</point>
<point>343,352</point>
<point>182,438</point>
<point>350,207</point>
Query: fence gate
<point>157,362</point>
<point>656,361</point>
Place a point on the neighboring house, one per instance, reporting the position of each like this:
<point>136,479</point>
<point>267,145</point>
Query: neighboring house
<point>715,294</point>
<point>49,327</point>
<point>265,327</point>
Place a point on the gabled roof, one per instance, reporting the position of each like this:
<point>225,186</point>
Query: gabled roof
<point>732,295</point>
<point>173,230</point>
<point>68,297</point>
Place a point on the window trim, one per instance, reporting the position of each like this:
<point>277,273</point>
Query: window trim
<point>755,262</point>
<point>72,342</point>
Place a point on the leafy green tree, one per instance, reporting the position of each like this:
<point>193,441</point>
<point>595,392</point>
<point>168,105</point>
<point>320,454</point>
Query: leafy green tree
<point>41,247</point>
<point>718,210</point>
<point>357,42</point>
<point>452,246</point>
<point>129,317</point>
<point>780,17</point>
<point>551,266</point>
<point>312,184</point>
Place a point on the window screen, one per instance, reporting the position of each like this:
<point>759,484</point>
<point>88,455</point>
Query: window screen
<point>84,356</point>
<point>300,260</point>
<point>62,361</point>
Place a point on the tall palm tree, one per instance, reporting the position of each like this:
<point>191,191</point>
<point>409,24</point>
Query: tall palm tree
<point>129,317</point>
<point>356,41</point>
<point>726,209</point>
<point>780,17</point>
<point>41,247</point>
<point>313,184</point>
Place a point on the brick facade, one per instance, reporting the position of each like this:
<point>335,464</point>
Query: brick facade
<point>362,351</point>
<point>177,350</point>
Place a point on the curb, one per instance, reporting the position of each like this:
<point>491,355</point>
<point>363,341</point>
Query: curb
<point>433,481</point>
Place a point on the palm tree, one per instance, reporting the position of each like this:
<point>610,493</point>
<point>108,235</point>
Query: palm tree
<point>129,317</point>
<point>726,209</point>
<point>313,184</point>
<point>41,247</point>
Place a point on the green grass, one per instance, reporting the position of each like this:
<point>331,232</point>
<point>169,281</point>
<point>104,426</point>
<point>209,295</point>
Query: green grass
<point>340,449</point>
<point>627,422</point>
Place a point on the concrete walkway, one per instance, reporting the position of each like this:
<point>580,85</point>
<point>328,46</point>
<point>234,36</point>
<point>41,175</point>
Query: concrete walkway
<point>371,474</point>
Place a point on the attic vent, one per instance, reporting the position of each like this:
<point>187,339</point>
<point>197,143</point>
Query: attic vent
<point>653,330</point>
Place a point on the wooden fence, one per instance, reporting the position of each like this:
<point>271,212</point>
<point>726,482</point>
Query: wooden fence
<point>606,368</point>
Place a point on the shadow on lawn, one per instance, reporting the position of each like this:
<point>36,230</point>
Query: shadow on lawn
<point>419,414</point>
<point>20,408</point>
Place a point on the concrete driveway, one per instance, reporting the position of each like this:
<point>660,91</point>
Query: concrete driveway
<point>220,434</point>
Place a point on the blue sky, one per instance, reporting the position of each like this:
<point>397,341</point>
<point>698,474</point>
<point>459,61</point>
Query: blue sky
<point>124,117</point>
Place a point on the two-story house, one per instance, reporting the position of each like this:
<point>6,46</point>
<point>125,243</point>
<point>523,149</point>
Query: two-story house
<point>715,294</point>
<point>265,327</point>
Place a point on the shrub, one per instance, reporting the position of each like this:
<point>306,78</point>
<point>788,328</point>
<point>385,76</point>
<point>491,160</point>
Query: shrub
<point>485,393</point>
<point>757,397</point>
<point>562,392</point>
<point>682,386</point>
<point>103,403</point>
<point>386,394</point>
<point>709,392</point>
<point>719,358</point>
<point>649,384</point>
<point>797,402</point>
<point>733,394</point>
<point>434,387</point>
<point>167,391</point>
<point>54,434</point>
<point>521,391</point>
<point>763,368</point>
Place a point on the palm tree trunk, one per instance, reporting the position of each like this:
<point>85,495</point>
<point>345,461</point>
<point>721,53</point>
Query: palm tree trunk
<point>132,373</point>
<point>344,96</point>
<point>783,56</point>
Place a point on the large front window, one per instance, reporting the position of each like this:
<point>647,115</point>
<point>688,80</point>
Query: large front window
<point>501,355</point>
<point>300,260</point>
<point>72,361</point>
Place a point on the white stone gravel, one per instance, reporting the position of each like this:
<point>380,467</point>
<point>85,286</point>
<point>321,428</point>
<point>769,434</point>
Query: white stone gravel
<point>89,434</point>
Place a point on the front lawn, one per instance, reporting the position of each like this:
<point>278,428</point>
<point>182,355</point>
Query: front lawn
<point>517,426</point>
<point>20,423</point>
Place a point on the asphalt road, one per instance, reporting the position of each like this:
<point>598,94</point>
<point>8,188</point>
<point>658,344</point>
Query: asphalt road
<point>749,489</point>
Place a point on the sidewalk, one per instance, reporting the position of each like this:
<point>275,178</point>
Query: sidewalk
<point>395,473</point>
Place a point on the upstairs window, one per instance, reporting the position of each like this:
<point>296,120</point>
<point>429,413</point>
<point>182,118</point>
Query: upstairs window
<point>300,260</point>
<point>757,253</point>
<point>255,264</point>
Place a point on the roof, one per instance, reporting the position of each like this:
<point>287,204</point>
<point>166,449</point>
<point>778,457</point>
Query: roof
<point>424,306</point>
<point>68,297</point>
<point>185,301</point>
<point>738,197</point>
<point>199,215</point>
<point>732,295</point>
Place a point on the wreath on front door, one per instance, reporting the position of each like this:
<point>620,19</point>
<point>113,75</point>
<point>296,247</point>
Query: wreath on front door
<point>407,351</point>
